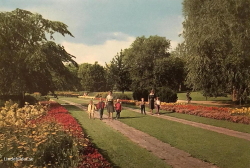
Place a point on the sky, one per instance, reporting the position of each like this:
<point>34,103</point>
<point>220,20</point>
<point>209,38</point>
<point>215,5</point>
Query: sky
<point>101,28</point>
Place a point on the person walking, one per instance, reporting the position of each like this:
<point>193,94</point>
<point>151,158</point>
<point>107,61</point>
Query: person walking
<point>118,108</point>
<point>158,105</point>
<point>110,105</point>
<point>151,99</point>
<point>188,97</point>
<point>142,104</point>
<point>91,109</point>
<point>100,107</point>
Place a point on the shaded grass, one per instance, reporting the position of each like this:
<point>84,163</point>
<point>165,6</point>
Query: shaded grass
<point>197,96</point>
<point>113,145</point>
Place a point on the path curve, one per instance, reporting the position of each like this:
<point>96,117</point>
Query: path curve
<point>221,130</point>
<point>173,156</point>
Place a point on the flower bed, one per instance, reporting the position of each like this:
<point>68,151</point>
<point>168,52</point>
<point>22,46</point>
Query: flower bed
<point>219,113</point>
<point>90,156</point>
<point>49,136</point>
<point>241,111</point>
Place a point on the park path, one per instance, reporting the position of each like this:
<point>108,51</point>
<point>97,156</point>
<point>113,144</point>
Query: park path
<point>173,156</point>
<point>221,130</point>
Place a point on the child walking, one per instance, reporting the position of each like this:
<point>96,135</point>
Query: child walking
<point>158,105</point>
<point>142,104</point>
<point>91,109</point>
<point>118,108</point>
<point>100,107</point>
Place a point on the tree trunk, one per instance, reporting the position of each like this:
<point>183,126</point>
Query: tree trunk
<point>179,87</point>
<point>234,95</point>
<point>21,100</point>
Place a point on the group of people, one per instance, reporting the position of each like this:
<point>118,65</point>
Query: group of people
<point>153,102</point>
<point>111,107</point>
<point>117,107</point>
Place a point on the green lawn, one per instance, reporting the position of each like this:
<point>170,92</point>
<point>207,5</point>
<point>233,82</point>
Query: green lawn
<point>197,96</point>
<point>209,121</point>
<point>113,145</point>
<point>224,151</point>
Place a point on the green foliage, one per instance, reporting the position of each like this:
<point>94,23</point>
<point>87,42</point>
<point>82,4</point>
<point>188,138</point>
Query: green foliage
<point>101,94</point>
<point>92,77</point>
<point>119,73</point>
<point>216,41</point>
<point>57,150</point>
<point>170,72</point>
<point>141,58</point>
<point>122,96</point>
<point>14,98</point>
<point>140,93</point>
<point>166,94</point>
<point>34,98</point>
<point>29,61</point>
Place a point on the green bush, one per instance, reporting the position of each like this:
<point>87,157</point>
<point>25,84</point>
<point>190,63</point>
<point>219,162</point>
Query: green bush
<point>34,98</point>
<point>122,96</point>
<point>101,94</point>
<point>141,93</point>
<point>166,94</point>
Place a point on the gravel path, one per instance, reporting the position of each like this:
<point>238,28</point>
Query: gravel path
<point>173,156</point>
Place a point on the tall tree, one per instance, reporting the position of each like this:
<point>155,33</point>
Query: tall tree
<point>217,35</point>
<point>119,72</point>
<point>29,61</point>
<point>170,72</point>
<point>141,58</point>
<point>92,77</point>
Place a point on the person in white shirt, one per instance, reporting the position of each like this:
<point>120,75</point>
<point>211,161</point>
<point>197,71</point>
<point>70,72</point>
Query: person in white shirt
<point>158,105</point>
<point>91,109</point>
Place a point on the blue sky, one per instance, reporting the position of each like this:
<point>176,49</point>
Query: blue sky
<point>101,28</point>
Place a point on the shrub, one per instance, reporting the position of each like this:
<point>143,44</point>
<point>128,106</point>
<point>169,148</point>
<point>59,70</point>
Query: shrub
<point>34,98</point>
<point>101,94</point>
<point>141,93</point>
<point>166,94</point>
<point>122,96</point>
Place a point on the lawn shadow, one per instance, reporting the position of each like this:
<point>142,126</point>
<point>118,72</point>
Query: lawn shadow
<point>166,112</point>
<point>131,117</point>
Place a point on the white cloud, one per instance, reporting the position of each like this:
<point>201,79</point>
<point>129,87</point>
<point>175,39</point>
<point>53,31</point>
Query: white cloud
<point>101,53</point>
<point>173,45</point>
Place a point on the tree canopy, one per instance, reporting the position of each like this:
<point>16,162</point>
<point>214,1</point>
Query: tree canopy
<point>119,72</point>
<point>141,58</point>
<point>29,58</point>
<point>217,36</point>
<point>92,77</point>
